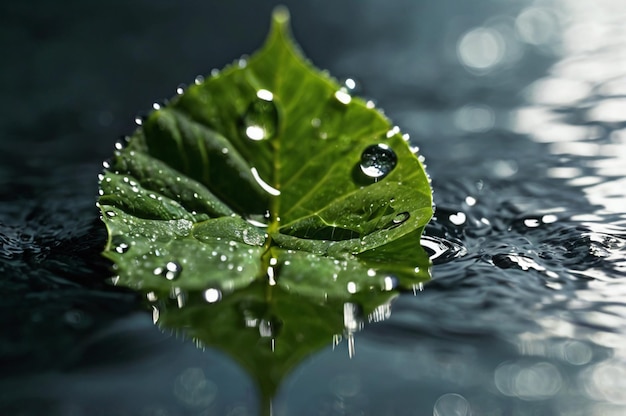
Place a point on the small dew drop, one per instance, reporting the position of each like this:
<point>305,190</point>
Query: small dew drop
<point>343,97</point>
<point>212,295</point>
<point>377,161</point>
<point>350,84</point>
<point>266,328</point>
<point>180,89</point>
<point>198,80</point>
<point>392,132</point>
<point>389,283</point>
<point>122,248</point>
<point>173,270</point>
<point>110,213</point>
<point>138,121</point>
<point>265,95</point>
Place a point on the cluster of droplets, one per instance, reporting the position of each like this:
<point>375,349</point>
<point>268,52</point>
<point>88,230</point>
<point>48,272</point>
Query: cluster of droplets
<point>171,270</point>
<point>344,93</point>
<point>261,122</point>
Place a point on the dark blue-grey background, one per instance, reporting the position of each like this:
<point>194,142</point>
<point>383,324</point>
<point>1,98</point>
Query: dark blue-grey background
<point>516,107</point>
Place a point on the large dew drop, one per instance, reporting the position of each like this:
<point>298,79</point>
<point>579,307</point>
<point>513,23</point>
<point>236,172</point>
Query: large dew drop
<point>377,161</point>
<point>400,219</point>
<point>260,121</point>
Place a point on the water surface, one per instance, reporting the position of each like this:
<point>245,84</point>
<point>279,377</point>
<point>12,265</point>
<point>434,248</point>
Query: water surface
<point>520,110</point>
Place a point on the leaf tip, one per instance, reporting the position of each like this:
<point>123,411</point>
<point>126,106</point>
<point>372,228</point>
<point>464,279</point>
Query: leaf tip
<point>281,23</point>
<point>280,15</point>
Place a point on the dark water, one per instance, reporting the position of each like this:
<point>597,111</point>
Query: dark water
<point>520,110</point>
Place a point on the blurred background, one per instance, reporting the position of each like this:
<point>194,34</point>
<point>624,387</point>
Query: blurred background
<point>520,110</point>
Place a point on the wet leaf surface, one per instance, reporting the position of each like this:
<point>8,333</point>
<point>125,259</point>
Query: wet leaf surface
<point>266,197</point>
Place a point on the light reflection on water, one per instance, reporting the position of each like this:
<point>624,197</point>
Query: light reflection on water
<point>520,111</point>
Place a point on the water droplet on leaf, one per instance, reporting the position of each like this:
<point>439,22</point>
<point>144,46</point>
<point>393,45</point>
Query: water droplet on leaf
<point>171,271</point>
<point>212,295</point>
<point>260,121</point>
<point>122,248</point>
<point>392,132</point>
<point>390,283</point>
<point>269,328</point>
<point>377,161</point>
<point>351,85</point>
<point>343,97</point>
<point>400,219</point>
<point>139,120</point>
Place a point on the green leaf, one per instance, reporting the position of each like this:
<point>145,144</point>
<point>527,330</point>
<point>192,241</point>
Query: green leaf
<point>267,177</point>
